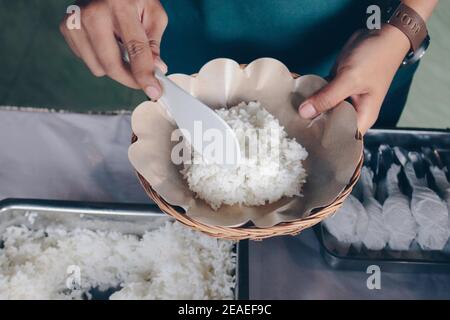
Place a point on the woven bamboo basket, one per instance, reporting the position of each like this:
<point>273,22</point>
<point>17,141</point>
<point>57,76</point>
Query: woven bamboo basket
<point>251,232</point>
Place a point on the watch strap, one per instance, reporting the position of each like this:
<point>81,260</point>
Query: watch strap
<point>410,23</point>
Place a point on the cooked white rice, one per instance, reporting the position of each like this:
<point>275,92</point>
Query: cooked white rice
<point>273,172</point>
<point>172,262</point>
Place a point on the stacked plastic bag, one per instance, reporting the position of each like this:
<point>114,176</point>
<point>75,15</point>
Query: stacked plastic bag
<point>349,224</point>
<point>377,235</point>
<point>397,215</point>
<point>430,212</point>
<point>442,184</point>
<point>401,220</point>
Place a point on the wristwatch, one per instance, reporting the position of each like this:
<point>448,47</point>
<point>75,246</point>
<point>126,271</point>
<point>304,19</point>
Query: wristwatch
<point>413,26</point>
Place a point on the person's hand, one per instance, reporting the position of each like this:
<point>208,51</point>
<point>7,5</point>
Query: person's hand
<point>138,24</point>
<point>363,72</point>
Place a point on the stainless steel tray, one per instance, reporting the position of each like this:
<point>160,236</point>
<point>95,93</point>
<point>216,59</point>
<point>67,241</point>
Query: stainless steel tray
<point>124,218</point>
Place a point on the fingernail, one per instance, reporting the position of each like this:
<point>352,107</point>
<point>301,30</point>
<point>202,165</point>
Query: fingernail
<point>152,92</point>
<point>161,65</point>
<point>308,111</point>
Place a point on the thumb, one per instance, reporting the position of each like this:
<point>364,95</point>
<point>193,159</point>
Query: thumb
<point>339,89</point>
<point>367,109</point>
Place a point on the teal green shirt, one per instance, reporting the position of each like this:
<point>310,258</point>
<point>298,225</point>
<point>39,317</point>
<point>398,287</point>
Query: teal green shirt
<point>306,35</point>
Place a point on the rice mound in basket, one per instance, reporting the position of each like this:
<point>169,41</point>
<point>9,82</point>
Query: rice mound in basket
<point>270,167</point>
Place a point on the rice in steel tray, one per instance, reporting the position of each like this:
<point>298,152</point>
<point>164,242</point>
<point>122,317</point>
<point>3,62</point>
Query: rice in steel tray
<point>172,262</point>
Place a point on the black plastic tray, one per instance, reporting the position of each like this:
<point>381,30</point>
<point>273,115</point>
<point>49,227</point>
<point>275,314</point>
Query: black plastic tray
<point>389,261</point>
<point>415,260</point>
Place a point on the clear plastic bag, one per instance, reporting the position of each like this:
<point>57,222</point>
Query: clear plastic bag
<point>442,183</point>
<point>397,215</point>
<point>377,235</point>
<point>430,212</point>
<point>348,225</point>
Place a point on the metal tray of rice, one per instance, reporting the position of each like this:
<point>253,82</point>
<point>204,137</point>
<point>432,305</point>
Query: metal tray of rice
<point>76,250</point>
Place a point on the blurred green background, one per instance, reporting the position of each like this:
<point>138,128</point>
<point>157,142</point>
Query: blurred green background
<point>428,103</point>
<point>38,70</point>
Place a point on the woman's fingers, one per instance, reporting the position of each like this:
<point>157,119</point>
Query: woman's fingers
<point>154,20</point>
<point>339,89</point>
<point>79,42</point>
<point>138,24</point>
<point>343,86</point>
<point>140,54</point>
<point>161,64</point>
<point>64,31</point>
<point>104,43</point>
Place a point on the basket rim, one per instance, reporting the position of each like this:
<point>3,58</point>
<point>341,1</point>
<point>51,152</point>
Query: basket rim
<point>239,233</point>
